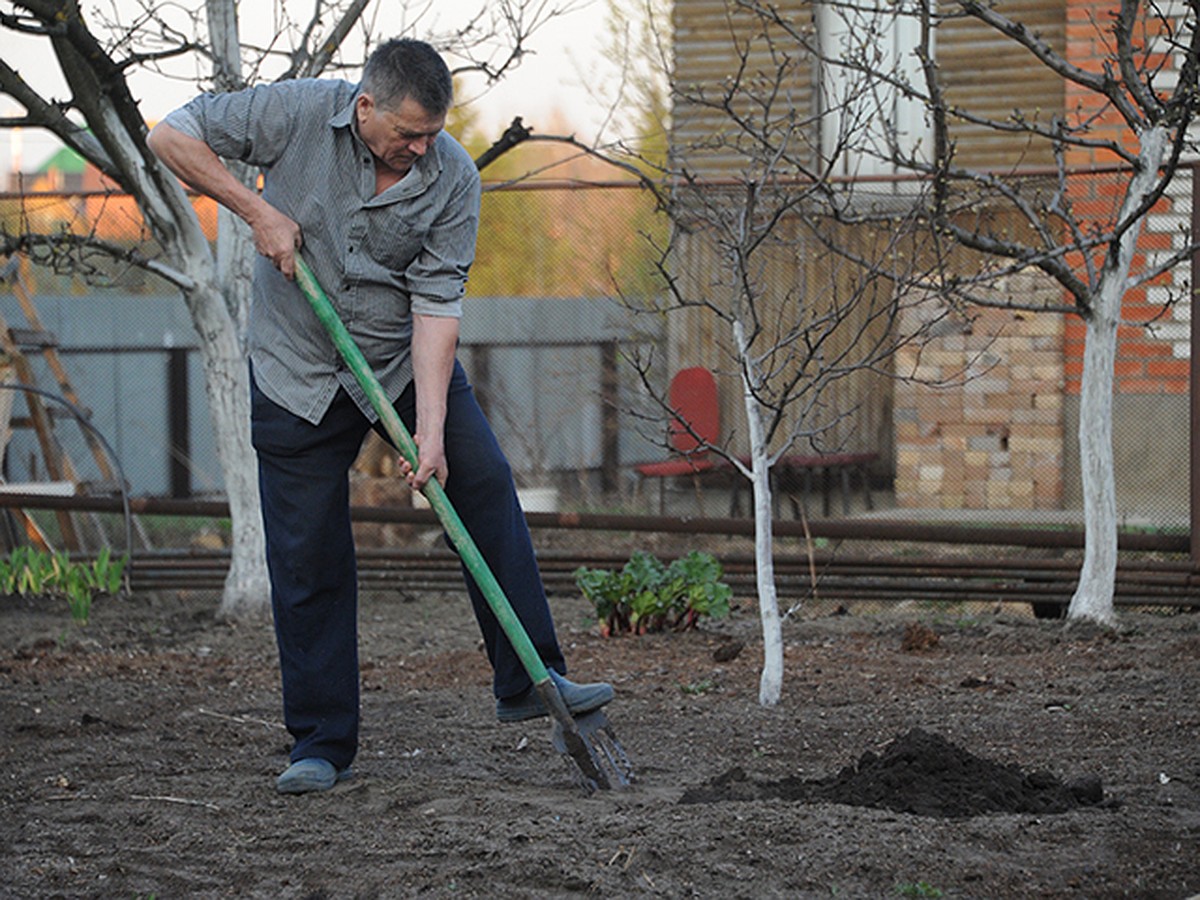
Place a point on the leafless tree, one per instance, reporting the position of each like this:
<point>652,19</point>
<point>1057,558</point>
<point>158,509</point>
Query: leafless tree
<point>797,306</point>
<point>797,323</point>
<point>1135,106</point>
<point>938,242</point>
<point>100,119</point>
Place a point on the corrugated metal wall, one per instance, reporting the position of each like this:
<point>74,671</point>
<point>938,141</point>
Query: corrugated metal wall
<point>708,36</point>
<point>1010,82</point>
<point>716,41</point>
<point>538,365</point>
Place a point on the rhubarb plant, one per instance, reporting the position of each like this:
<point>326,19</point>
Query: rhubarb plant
<point>646,595</point>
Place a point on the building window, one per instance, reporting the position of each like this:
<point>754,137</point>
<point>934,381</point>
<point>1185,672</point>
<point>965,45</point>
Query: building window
<point>868,56</point>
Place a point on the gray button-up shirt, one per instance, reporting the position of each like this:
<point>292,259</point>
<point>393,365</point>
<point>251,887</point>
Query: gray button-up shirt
<point>380,258</point>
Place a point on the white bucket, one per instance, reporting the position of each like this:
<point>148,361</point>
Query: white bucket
<point>538,499</point>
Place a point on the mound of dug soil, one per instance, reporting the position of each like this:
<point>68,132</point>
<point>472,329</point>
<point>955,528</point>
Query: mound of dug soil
<point>919,773</point>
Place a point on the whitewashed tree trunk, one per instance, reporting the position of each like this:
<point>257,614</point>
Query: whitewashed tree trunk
<point>227,384</point>
<point>247,588</point>
<point>770,685</point>
<point>171,217</point>
<point>1093,598</point>
<point>217,291</point>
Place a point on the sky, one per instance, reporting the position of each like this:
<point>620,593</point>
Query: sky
<point>566,55</point>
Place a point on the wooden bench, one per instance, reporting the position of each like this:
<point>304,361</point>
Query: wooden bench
<point>797,474</point>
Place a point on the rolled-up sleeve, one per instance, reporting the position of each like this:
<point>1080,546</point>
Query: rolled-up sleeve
<point>253,125</point>
<point>437,278</point>
<point>185,121</point>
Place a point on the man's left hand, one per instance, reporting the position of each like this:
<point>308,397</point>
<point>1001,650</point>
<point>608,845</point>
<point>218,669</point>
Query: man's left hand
<point>431,463</point>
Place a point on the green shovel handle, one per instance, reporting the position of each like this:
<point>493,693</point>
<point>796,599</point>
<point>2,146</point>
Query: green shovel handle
<point>433,491</point>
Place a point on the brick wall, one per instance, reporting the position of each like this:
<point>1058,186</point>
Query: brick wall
<point>980,425</point>
<point>1004,439</point>
<point>1153,343</point>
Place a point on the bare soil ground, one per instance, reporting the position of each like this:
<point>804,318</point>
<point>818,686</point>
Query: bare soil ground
<point>912,755</point>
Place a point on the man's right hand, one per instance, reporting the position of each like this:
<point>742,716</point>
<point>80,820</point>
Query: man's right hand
<point>276,237</point>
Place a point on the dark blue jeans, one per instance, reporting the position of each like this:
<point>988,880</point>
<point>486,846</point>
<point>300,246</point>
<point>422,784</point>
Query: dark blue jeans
<point>304,482</point>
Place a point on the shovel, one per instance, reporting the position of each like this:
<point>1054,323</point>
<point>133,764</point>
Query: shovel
<point>587,743</point>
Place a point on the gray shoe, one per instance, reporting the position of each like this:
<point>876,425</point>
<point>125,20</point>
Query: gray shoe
<point>579,698</point>
<point>312,774</point>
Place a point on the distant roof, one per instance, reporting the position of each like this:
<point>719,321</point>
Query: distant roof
<point>66,161</point>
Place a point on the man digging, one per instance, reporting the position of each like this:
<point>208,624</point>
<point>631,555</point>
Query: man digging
<point>386,207</point>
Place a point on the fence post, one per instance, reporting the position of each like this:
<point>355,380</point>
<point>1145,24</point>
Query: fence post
<point>1194,373</point>
<point>179,416</point>
<point>481,375</point>
<point>610,417</point>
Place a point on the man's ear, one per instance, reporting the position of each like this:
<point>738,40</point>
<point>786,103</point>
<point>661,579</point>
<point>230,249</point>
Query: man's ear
<point>364,105</point>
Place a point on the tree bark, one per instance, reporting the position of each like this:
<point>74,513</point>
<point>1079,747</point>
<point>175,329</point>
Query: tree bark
<point>1093,597</point>
<point>247,587</point>
<point>770,685</point>
<point>227,383</point>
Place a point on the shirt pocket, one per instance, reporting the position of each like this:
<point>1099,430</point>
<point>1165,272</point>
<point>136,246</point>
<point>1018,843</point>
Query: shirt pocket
<point>393,239</point>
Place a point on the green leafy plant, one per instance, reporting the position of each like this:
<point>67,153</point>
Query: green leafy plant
<point>28,572</point>
<point>106,573</point>
<point>647,595</point>
<point>696,688</point>
<point>918,889</point>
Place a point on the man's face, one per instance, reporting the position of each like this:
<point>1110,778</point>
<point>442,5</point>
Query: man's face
<point>399,136</point>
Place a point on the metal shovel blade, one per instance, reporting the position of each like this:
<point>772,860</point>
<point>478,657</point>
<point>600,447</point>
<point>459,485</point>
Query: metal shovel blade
<point>594,752</point>
<point>587,743</point>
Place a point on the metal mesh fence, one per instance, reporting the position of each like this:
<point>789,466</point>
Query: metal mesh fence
<point>547,336</point>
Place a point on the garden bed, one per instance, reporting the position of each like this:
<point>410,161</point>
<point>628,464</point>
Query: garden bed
<point>139,755</point>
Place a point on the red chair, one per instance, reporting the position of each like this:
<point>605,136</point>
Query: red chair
<point>695,426</point>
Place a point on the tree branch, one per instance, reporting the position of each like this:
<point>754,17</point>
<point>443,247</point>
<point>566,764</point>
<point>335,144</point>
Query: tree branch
<point>1104,84</point>
<point>30,25</point>
<point>512,23</point>
<point>79,51</point>
<point>1177,258</point>
<point>1124,23</point>
<point>66,252</point>
<point>306,64</point>
<point>52,116</point>
<point>514,135</point>
<point>1055,133</point>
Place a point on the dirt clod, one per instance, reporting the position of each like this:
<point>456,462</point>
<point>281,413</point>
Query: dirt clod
<point>728,651</point>
<point>918,637</point>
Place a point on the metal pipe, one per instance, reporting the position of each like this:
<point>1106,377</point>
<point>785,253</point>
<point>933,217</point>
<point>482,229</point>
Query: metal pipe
<point>834,529</point>
<point>884,580</point>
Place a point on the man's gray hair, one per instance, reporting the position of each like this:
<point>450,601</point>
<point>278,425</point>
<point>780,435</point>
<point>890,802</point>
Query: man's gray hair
<point>405,67</point>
